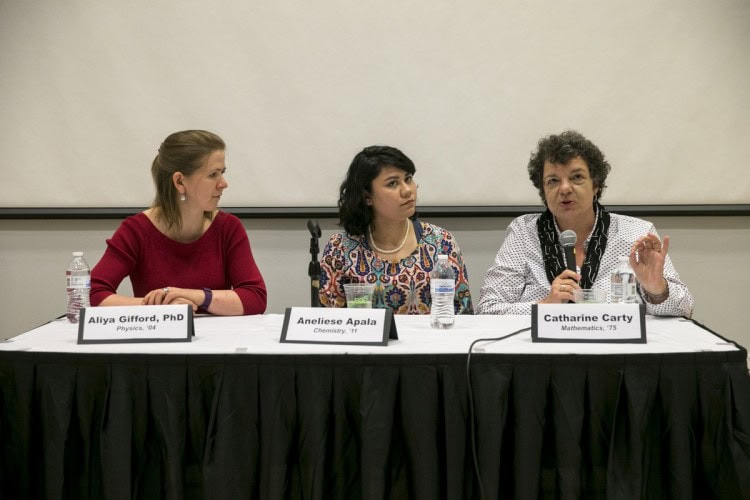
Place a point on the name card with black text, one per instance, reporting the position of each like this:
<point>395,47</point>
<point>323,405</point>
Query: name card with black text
<point>131,324</point>
<point>618,323</point>
<point>352,326</point>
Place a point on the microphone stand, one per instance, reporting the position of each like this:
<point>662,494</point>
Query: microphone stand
<point>313,270</point>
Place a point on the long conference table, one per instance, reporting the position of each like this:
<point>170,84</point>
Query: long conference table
<point>237,414</point>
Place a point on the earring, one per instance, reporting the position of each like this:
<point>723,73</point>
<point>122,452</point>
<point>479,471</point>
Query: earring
<point>182,196</point>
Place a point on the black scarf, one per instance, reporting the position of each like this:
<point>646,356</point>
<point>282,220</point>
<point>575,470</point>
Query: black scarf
<point>554,258</point>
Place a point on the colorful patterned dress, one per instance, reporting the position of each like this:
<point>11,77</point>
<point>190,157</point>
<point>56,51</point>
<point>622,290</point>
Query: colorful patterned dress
<point>404,285</point>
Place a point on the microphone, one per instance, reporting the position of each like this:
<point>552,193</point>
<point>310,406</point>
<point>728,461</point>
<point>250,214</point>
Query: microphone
<point>313,269</point>
<point>314,229</point>
<point>568,242</point>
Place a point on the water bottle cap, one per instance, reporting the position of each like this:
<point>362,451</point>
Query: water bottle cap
<point>442,256</point>
<point>623,258</point>
<point>77,254</point>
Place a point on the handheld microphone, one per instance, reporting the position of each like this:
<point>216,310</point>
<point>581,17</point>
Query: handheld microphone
<point>568,242</point>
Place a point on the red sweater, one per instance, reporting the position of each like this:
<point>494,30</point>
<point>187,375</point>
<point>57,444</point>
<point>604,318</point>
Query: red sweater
<point>221,259</point>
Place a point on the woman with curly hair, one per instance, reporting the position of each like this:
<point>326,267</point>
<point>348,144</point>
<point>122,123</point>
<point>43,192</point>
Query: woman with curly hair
<point>570,173</point>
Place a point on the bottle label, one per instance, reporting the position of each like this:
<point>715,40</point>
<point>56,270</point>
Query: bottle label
<point>442,286</point>
<point>79,281</point>
<point>624,292</point>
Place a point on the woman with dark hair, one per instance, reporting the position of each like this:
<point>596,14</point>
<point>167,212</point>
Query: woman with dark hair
<point>570,173</point>
<point>383,242</point>
<point>183,250</point>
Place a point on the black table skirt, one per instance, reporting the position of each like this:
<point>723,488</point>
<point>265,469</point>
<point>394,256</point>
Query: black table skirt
<point>374,427</point>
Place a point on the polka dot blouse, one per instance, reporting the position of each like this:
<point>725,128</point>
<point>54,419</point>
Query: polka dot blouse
<point>517,278</point>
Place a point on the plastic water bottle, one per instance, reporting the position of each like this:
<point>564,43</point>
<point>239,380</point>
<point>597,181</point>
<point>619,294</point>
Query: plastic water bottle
<point>79,286</point>
<point>442,290</point>
<point>622,283</point>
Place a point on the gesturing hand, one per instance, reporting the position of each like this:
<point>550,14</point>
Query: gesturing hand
<point>647,256</point>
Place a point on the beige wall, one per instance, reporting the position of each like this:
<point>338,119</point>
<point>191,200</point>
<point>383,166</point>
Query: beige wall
<point>88,92</point>
<point>709,252</point>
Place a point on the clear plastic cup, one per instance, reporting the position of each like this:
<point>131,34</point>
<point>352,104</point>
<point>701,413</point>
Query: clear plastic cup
<point>359,295</point>
<point>590,296</point>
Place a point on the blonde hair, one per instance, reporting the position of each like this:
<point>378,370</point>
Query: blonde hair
<point>184,152</point>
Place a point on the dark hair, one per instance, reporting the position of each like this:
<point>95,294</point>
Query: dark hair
<point>355,215</point>
<point>561,149</point>
<point>185,152</point>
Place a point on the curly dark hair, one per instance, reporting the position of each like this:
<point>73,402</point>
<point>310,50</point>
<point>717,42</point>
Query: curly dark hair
<point>563,148</point>
<point>355,215</point>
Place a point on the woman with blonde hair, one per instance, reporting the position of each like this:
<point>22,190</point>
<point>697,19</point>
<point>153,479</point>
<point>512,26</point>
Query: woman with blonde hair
<point>183,250</point>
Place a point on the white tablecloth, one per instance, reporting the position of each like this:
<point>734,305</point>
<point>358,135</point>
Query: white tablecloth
<point>260,335</point>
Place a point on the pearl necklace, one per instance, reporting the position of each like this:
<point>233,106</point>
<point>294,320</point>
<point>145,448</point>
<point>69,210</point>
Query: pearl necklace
<point>380,250</point>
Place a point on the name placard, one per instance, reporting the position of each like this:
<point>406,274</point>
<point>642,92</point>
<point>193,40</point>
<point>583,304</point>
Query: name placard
<point>619,323</point>
<point>325,325</point>
<point>130,324</point>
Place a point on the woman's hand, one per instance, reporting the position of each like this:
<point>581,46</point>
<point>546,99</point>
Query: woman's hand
<point>647,256</point>
<point>172,295</point>
<point>562,288</point>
